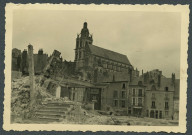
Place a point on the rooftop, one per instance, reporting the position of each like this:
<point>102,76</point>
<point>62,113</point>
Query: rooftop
<point>98,51</point>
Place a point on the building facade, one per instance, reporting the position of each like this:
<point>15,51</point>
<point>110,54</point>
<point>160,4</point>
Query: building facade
<point>137,100</point>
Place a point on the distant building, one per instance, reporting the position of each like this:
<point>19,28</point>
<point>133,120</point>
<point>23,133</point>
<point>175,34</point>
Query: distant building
<point>115,96</point>
<point>20,61</point>
<point>137,98</point>
<point>159,95</point>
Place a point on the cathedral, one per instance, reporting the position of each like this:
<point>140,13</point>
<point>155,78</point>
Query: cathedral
<point>89,57</point>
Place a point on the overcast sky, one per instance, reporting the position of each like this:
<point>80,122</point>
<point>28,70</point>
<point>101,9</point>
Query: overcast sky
<point>151,40</point>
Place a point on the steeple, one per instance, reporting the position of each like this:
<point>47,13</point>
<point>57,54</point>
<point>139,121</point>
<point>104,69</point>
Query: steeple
<point>83,39</point>
<point>85,31</point>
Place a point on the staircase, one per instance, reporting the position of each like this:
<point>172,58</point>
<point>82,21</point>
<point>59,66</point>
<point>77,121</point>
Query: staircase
<point>53,111</point>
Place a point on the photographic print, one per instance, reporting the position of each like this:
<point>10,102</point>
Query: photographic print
<point>120,67</point>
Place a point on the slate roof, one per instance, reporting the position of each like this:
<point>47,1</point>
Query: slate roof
<point>98,51</point>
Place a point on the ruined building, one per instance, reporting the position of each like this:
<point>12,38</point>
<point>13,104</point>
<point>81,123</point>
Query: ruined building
<point>20,61</point>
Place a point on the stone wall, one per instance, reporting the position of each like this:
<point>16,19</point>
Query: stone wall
<point>107,76</point>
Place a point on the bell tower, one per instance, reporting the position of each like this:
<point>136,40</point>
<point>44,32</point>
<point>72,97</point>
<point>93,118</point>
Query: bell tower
<point>83,39</point>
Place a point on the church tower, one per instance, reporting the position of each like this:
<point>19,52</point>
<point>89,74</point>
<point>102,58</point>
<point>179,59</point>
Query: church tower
<point>84,39</point>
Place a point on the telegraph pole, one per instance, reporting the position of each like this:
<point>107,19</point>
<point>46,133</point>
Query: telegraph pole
<point>31,75</point>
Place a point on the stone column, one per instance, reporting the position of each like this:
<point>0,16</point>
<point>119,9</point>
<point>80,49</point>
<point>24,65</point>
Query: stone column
<point>31,75</point>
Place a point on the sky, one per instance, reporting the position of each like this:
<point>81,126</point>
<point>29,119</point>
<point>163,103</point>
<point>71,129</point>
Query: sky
<point>151,40</point>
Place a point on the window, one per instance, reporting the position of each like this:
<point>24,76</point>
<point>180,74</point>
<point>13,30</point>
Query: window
<point>152,114</point>
<point>153,104</point>
<point>156,114</point>
<point>115,94</point>
<point>81,44</point>
<point>139,101</point>
<point>123,94</point>
<point>166,105</point>
<point>123,86</point>
<point>133,101</point>
<point>123,103</point>
<point>140,92</point>
<point>166,88</point>
<point>116,103</point>
<point>134,92</point>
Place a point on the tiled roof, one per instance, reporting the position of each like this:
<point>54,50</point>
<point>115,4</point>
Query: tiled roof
<point>109,54</point>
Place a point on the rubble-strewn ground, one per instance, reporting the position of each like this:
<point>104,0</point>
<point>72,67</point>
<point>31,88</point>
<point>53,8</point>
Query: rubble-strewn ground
<point>20,108</point>
<point>107,120</point>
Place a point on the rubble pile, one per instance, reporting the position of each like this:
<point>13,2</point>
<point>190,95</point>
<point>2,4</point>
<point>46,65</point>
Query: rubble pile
<point>20,101</point>
<point>79,115</point>
<point>99,120</point>
<point>20,96</point>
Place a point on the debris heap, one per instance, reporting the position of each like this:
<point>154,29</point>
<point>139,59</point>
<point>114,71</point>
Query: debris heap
<point>20,100</point>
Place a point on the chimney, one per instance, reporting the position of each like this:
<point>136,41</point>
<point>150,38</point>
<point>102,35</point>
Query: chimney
<point>159,80</point>
<point>40,52</point>
<point>173,79</point>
